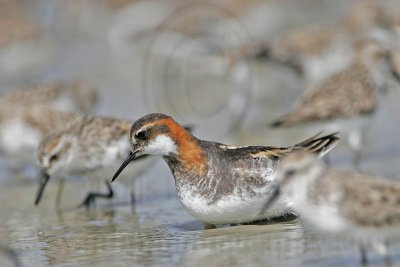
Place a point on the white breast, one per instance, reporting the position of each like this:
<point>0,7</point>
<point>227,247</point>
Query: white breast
<point>324,216</point>
<point>19,140</point>
<point>102,164</point>
<point>233,208</point>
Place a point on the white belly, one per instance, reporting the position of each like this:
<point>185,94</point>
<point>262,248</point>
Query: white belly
<point>325,218</point>
<point>234,209</point>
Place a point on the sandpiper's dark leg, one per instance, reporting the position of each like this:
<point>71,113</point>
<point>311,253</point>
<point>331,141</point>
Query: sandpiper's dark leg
<point>91,197</point>
<point>357,159</point>
<point>133,198</point>
<point>388,259</point>
<point>60,191</point>
<point>357,137</point>
<point>363,253</point>
<point>133,202</point>
<point>355,140</point>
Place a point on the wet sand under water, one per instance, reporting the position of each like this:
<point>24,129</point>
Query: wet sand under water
<point>154,233</point>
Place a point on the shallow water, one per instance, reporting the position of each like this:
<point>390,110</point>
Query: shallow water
<point>154,233</point>
<point>135,79</point>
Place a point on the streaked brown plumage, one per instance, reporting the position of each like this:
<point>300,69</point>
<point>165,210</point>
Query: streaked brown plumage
<point>14,24</point>
<point>66,96</point>
<point>27,115</point>
<point>320,50</point>
<point>21,131</point>
<point>91,147</point>
<point>341,202</point>
<point>348,93</point>
<point>395,62</point>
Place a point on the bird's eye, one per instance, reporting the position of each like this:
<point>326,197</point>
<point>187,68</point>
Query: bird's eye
<point>290,172</point>
<point>141,135</point>
<point>54,157</point>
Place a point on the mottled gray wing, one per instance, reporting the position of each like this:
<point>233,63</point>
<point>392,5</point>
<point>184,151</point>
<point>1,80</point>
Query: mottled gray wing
<point>343,95</point>
<point>370,201</point>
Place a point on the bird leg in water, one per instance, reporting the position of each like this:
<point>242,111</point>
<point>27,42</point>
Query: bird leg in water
<point>60,191</point>
<point>91,197</point>
<point>355,140</point>
<point>363,253</point>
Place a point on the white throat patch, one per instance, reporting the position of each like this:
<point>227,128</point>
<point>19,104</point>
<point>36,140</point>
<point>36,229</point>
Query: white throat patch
<point>162,145</point>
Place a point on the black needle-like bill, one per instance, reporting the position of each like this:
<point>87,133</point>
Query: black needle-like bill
<point>131,157</point>
<point>43,181</point>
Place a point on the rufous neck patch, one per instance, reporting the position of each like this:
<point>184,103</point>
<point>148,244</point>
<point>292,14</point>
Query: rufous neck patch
<point>190,153</point>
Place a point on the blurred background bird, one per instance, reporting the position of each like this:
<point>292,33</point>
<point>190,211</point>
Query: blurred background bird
<point>320,50</point>
<point>29,114</point>
<point>341,203</point>
<point>92,148</point>
<point>354,92</point>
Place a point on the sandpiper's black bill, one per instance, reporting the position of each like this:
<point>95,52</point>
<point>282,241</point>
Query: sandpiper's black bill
<point>131,157</point>
<point>43,181</point>
<point>274,195</point>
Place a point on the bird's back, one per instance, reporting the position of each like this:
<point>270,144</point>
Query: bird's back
<point>244,170</point>
<point>67,97</point>
<point>363,200</point>
<point>21,131</point>
<point>98,142</point>
<point>346,94</point>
